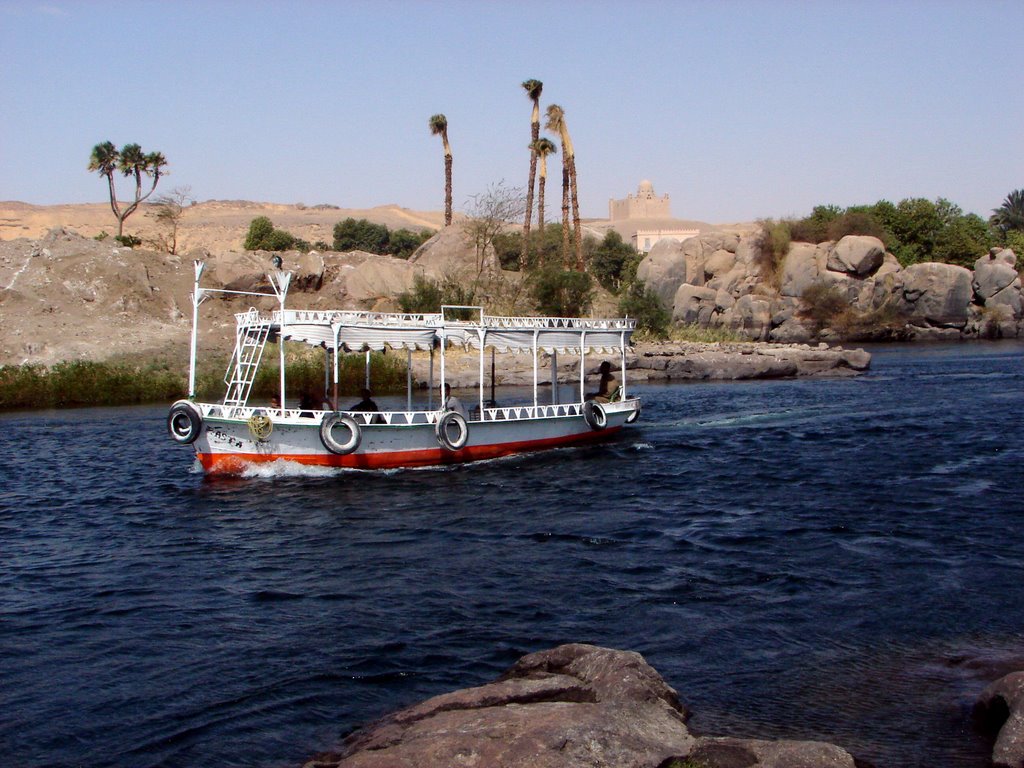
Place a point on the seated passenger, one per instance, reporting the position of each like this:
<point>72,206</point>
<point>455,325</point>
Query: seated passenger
<point>607,387</point>
<point>452,403</point>
<point>366,404</point>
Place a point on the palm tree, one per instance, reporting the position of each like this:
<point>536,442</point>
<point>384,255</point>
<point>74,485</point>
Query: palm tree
<point>1009,215</point>
<point>556,122</point>
<point>439,127</point>
<point>533,89</point>
<point>541,149</point>
<point>131,161</point>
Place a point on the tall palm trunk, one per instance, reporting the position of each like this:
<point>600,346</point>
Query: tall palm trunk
<point>533,89</point>
<point>577,227</point>
<point>556,122</point>
<point>439,127</point>
<point>447,182</point>
<point>565,210</point>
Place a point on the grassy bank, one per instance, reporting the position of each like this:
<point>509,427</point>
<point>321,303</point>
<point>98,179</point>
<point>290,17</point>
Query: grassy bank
<point>86,383</point>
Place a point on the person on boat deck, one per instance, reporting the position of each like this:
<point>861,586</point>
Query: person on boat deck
<point>366,404</point>
<point>607,386</point>
<point>275,402</point>
<point>307,403</point>
<point>452,403</point>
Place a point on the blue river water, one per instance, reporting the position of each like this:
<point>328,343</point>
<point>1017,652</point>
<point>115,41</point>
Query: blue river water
<point>835,559</point>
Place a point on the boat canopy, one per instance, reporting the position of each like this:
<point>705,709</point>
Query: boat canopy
<point>355,331</point>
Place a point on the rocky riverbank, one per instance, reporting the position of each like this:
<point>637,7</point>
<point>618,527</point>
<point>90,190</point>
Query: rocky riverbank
<point>661,361</point>
<point>582,706</point>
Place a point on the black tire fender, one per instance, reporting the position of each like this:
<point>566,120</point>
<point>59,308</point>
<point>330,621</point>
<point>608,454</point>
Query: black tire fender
<point>327,425</point>
<point>442,433</point>
<point>595,415</point>
<point>184,422</point>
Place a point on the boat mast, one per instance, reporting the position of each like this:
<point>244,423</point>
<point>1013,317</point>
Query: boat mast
<point>197,298</point>
<point>280,281</point>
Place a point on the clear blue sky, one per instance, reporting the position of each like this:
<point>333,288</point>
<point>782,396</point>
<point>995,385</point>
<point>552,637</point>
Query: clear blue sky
<point>738,110</point>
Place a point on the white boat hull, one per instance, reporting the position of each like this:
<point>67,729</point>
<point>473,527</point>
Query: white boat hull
<point>227,444</point>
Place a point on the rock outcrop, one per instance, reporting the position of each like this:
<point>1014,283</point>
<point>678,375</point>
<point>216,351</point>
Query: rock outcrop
<point>721,281</point>
<point>574,706</point>
<point>1000,709</point>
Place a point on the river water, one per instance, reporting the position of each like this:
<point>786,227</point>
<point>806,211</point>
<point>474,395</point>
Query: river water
<point>823,559</point>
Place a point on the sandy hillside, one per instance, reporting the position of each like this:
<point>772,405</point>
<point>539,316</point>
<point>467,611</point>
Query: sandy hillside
<point>215,225</point>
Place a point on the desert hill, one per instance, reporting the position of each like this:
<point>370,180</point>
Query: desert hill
<point>213,225</point>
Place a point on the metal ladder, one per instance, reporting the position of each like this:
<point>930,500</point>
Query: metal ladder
<point>244,363</point>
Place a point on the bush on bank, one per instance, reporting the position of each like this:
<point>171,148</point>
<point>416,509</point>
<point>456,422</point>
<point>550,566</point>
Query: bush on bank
<point>81,383</point>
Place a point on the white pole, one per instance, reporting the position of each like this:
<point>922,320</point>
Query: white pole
<point>583,365</point>
<point>535,332</point>
<point>444,339</point>
<point>337,331</point>
<point>430,381</point>
<point>408,379</point>
<point>280,345</point>
<point>482,333</point>
<point>554,376</point>
<point>197,297</point>
<point>367,384</point>
<point>622,351</point>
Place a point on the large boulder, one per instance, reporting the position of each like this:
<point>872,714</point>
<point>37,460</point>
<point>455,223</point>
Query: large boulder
<point>936,294</point>
<point>996,281</point>
<point>751,317</point>
<point>857,254</point>
<point>453,253</point>
<point>1000,709</point>
<point>694,304</point>
<point>801,269</point>
<point>574,706</point>
<point>663,270</point>
<point>377,278</point>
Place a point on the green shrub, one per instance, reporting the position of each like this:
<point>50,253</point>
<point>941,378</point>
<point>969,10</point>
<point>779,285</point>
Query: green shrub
<point>704,334</point>
<point>821,304</point>
<point>263,237</point>
<point>855,222</point>
<point>428,295</point>
<point>773,245</point>
<point>561,293</point>
<point>652,319</point>
<point>609,260</point>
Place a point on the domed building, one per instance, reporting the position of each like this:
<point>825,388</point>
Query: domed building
<point>646,218</point>
<point>644,206</point>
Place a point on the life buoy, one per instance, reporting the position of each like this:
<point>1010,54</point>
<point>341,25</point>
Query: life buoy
<point>332,420</point>
<point>443,434</point>
<point>635,414</point>
<point>184,422</point>
<point>594,414</point>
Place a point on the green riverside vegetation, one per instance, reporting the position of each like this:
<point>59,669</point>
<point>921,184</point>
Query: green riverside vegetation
<point>85,383</point>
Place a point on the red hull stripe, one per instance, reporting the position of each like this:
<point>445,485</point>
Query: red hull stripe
<point>235,463</point>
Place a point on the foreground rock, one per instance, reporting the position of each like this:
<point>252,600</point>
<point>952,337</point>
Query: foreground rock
<point>571,706</point>
<point>1001,709</point>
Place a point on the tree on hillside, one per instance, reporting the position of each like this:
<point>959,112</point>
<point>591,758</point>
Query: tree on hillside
<point>533,89</point>
<point>131,162</point>
<point>170,209</point>
<point>489,214</point>
<point>1009,215</point>
<point>439,127</point>
<point>556,122</point>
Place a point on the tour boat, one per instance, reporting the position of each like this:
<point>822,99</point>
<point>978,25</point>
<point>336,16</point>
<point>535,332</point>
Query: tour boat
<point>233,434</point>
